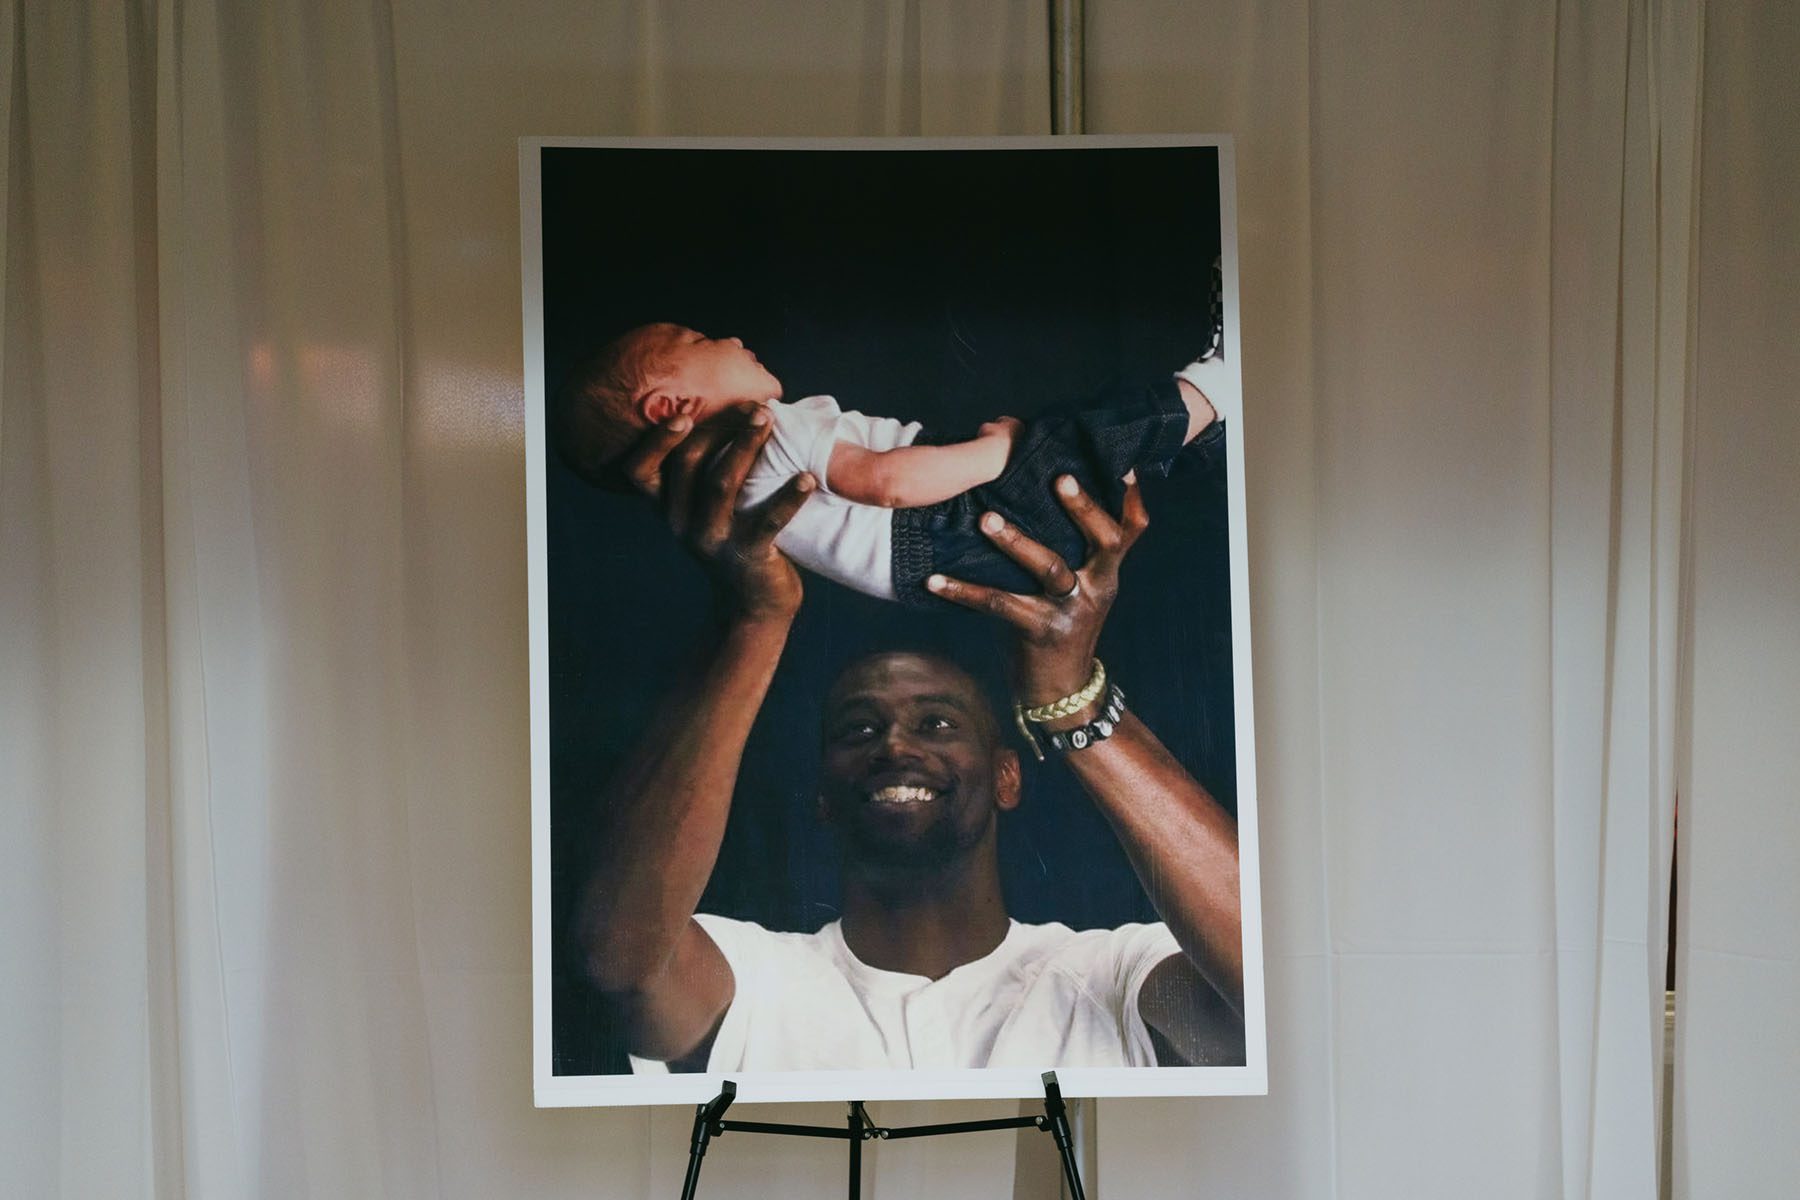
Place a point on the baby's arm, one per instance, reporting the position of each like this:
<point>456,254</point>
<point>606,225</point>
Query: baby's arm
<point>914,476</point>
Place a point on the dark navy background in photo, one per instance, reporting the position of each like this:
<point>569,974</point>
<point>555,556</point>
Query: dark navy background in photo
<point>946,286</point>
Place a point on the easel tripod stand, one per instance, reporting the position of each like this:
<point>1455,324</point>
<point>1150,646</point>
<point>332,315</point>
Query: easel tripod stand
<point>710,1122</point>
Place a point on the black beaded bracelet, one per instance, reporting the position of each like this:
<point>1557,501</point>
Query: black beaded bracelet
<point>1097,730</point>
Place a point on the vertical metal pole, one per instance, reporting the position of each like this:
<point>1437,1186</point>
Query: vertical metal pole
<point>1056,1123</point>
<point>696,1151</point>
<point>1067,46</point>
<point>707,1125</point>
<point>856,1141</point>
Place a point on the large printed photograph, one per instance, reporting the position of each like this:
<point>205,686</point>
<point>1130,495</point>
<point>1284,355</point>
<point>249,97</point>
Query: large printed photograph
<point>889,622</point>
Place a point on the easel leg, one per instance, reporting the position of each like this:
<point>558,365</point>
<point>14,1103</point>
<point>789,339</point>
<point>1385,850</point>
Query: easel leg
<point>856,1123</point>
<point>706,1125</point>
<point>696,1151</point>
<point>1056,1123</point>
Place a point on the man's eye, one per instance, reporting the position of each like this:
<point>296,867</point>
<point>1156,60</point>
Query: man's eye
<point>937,722</point>
<point>854,732</point>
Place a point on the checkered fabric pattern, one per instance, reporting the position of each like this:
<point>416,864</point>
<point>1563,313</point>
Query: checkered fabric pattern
<point>1216,311</point>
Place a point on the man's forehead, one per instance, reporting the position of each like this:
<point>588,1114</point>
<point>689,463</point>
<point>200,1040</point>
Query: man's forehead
<point>905,675</point>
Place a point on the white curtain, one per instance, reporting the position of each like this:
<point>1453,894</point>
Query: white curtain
<point>1519,331</point>
<point>1737,1067</point>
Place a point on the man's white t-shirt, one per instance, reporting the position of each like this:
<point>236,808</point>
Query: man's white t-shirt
<point>1047,996</point>
<point>846,542</point>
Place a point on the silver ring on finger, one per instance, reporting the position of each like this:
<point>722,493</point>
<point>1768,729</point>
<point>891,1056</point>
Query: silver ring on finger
<point>1074,589</point>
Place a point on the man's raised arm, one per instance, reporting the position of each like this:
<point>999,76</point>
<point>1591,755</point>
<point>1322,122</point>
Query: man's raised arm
<point>664,813</point>
<point>1181,843</point>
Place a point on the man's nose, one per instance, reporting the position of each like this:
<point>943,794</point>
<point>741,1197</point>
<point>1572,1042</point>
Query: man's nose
<point>895,746</point>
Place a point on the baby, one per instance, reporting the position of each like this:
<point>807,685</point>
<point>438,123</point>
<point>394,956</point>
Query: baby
<point>892,507</point>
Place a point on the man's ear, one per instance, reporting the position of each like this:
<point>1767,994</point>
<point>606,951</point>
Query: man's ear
<point>1006,780</point>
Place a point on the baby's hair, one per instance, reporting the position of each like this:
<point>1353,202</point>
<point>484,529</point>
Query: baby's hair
<point>593,413</point>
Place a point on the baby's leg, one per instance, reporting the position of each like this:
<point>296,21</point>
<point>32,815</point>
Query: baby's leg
<point>1200,410</point>
<point>1209,389</point>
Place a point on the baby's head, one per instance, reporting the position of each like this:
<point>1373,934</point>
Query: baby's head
<point>643,378</point>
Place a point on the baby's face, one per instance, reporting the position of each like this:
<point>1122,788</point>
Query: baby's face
<point>718,372</point>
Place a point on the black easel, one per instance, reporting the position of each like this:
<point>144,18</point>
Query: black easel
<point>710,1122</point>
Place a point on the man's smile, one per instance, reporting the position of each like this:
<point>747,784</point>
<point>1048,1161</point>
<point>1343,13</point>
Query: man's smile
<point>902,794</point>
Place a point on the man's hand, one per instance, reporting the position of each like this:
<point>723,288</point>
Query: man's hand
<point>1181,843</point>
<point>1059,628</point>
<point>695,475</point>
<point>667,983</point>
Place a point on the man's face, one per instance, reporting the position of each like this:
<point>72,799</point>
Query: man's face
<point>717,372</point>
<point>913,772</point>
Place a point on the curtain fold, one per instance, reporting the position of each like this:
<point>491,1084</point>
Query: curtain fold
<point>1621,295</point>
<point>1520,430</point>
<point>1737,1056</point>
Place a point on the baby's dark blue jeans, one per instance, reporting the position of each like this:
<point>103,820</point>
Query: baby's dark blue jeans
<point>1137,429</point>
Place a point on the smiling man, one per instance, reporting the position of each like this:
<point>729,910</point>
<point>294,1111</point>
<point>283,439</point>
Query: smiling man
<point>925,968</point>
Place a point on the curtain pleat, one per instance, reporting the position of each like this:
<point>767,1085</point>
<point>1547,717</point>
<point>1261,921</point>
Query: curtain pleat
<point>1737,1062</point>
<point>1520,437</point>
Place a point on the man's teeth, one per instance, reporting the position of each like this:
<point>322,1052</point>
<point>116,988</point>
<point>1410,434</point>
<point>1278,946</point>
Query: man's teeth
<point>902,794</point>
